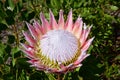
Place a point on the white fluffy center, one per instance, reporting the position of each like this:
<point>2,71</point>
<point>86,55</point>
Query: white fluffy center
<point>59,45</point>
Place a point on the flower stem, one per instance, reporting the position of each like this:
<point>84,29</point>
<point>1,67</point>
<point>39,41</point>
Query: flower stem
<point>60,77</point>
<point>16,34</point>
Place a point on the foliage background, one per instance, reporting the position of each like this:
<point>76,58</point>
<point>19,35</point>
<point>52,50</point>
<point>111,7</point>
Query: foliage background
<point>104,15</point>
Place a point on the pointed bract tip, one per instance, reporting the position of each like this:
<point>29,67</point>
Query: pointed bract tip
<point>41,14</point>
<point>70,11</point>
<point>50,11</point>
<point>61,10</point>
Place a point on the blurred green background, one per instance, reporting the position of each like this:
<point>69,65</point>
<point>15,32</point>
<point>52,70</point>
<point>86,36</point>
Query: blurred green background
<point>104,15</point>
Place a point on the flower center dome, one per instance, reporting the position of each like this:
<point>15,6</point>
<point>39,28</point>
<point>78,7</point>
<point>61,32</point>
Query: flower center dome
<point>59,46</point>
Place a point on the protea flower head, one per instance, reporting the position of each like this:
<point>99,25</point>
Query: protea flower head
<point>57,47</point>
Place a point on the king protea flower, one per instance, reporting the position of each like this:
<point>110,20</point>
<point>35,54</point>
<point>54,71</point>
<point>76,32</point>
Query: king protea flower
<point>57,47</point>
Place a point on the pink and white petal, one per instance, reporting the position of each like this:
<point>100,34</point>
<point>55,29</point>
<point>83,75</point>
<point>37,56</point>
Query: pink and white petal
<point>37,25</point>
<point>79,65</point>
<point>83,36</point>
<point>29,39</point>
<point>26,46</point>
<point>69,22</point>
<point>29,54</point>
<point>87,44</point>
<point>77,28</point>
<point>76,24</point>
<point>32,31</point>
<point>70,65</point>
<point>63,70</point>
<point>28,50</point>
<point>87,32</point>
<point>37,63</point>
<point>32,61</point>
<point>40,68</point>
<point>61,20</point>
<point>79,32</point>
<point>38,28</point>
<point>53,22</point>
<point>82,56</point>
<point>75,66</point>
<point>56,71</point>
<point>45,23</point>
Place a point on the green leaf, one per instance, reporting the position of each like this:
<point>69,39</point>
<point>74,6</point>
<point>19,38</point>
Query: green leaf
<point>13,62</point>
<point>3,26</point>
<point>10,20</point>
<point>2,47</point>
<point>51,77</point>
<point>8,49</point>
<point>2,13</point>
<point>11,5</point>
<point>21,63</point>
<point>114,8</point>
<point>55,3</point>
<point>117,57</point>
<point>10,13</point>
<point>1,60</point>
<point>39,75</point>
<point>31,15</point>
<point>11,39</point>
<point>15,50</point>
